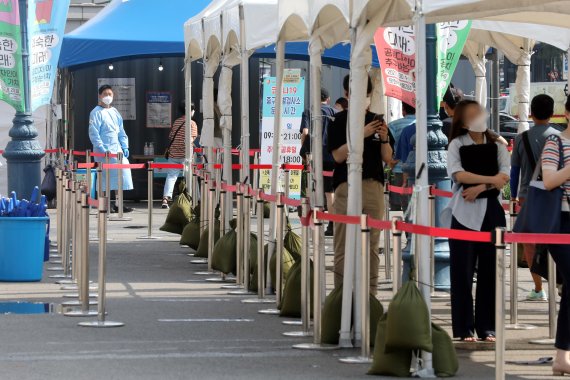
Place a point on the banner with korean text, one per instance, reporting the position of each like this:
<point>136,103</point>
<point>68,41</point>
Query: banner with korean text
<point>46,26</point>
<point>396,47</point>
<point>11,73</point>
<point>292,112</point>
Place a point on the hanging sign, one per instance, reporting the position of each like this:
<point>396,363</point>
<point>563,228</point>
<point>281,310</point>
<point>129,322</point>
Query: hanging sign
<point>46,26</point>
<point>451,39</point>
<point>292,112</point>
<point>396,49</point>
<point>158,109</point>
<point>11,73</point>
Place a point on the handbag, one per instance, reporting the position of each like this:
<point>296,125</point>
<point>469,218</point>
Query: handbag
<point>532,217</point>
<point>167,152</point>
<point>48,187</point>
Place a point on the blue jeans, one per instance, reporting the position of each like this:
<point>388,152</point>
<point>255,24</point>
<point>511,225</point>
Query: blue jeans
<point>561,256</point>
<point>171,177</point>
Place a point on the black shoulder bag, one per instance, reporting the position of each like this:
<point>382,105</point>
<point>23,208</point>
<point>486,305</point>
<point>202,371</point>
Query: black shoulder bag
<point>167,152</point>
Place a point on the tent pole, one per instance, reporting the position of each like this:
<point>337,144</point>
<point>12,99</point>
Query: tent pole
<point>523,85</point>
<point>188,137</point>
<point>244,75</point>
<point>317,121</point>
<point>225,104</point>
<point>426,45</point>
<point>495,91</point>
<point>275,185</point>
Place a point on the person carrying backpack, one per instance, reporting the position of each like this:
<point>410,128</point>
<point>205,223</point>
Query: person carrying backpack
<point>526,153</point>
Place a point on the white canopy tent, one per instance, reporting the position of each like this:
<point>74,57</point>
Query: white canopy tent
<point>325,23</point>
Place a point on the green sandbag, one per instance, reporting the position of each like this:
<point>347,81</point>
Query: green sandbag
<point>445,362</point>
<point>191,235</point>
<point>253,262</point>
<point>266,210</point>
<point>396,363</point>
<point>408,324</point>
<point>180,213</point>
<point>292,243</point>
<point>202,250</point>
<point>291,299</point>
<point>330,325</point>
<point>286,265</point>
<point>224,256</point>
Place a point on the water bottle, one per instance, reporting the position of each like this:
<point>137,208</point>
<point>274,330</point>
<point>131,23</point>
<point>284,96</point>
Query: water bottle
<point>146,149</point>
<point>151,149</point>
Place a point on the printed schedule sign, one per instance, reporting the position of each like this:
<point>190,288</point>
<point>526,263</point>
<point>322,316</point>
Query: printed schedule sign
<point>292,112</point>
<point>158,109</point>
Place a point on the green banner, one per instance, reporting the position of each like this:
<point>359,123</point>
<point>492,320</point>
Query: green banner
<point>451,38</point>
<point>11,73</point>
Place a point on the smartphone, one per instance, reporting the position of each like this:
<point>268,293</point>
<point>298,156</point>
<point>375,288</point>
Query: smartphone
<point>379,117</point>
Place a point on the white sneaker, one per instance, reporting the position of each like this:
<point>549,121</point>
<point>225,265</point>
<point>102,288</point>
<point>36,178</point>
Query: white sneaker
<point>537,296</point>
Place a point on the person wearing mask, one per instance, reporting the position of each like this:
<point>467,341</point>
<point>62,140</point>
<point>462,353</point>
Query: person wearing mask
<point>526,153</point>
<point>399,202</point>
<point>176,152</point>
<point>328,114</point>
<point>341,104</point>
<point>107,134</point>
<point>554,177</point>
<point>478,165</point>
<point>378,142</point>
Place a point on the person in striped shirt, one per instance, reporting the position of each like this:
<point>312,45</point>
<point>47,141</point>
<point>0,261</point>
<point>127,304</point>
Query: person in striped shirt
<point>177,150</point>
<point>553,178</point>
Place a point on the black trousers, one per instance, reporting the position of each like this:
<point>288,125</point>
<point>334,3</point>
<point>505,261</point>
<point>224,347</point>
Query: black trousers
<point>465,256</point>
<point>561,256</point>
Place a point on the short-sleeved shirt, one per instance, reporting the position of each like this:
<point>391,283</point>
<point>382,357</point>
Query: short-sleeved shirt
<point>396,128</point>
<point>405,145</point>
<point>469,214</point>
<point>551,160</point>
<point>372,164</point>
<point>537,136</point>
<point>178,147</point>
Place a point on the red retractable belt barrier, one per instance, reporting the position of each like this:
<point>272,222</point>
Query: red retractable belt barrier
<point>291,202</point>
<point>166,166</point>
<point>92,165</point>
<point>346,219</point>
<point>51,151</point>
<point>268,197</point>
<point>440,193</point>
<point>261,166</point>
<point>292,167</point>
<point>484,237</point>
<point>401,190</point>
<point>513,237</point>
<point>124,166</point>
<point>93,202</point>
<point>328,174</point>
<point>379,224</point>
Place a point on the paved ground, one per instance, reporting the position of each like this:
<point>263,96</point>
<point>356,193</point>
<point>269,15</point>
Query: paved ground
<point>179,326</point>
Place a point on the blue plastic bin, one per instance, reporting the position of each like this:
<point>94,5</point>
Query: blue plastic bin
<point>22,243</point>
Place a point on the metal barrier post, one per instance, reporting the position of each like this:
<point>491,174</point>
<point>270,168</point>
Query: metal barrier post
<point>88,172</point>
<point>150,196</point>
<point>119,196</point>
<point>101,322</point>
<point>431,200</point>
<point>204,212</point>
<point>397,243</point>
<point>364,293</point>
<point>108,182</point>
<point>261,263</point>
<point>387,257</point>
<point>256,180</point>
<point>279,216</point>
<point>513,307</point>
<point>83,278</point>
<point>246,237</point>
<point>223,206</point>
<point>195,192</point>
<point>59,212</point>
<point>305,275</point>
<point>499,240</point>
<point>210,222</point>
<point>552,294</point>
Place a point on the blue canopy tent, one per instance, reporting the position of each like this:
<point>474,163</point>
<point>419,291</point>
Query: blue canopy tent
<point>127,29</point>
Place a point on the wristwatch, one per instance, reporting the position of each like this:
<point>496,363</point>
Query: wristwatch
<point>384,142</point>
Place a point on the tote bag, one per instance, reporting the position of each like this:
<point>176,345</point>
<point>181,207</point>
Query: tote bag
<point>532,217</point>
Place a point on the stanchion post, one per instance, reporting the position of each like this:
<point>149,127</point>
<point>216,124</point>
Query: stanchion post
<point>59,203</point>
<point>279,249</point>
<point>150,196</point>
<point>397,252</point>
<point>62,228</point>
<point>431,243</point>
<point>256,181</point>
<point>119,195</point>
<point>552,293</point>
<point>88,172</point>
<point>211,221</point>
<point>101,322</point>
<point>364,294</point>
<point>239,233</point>
<point>108,181</point>
<point>500,247</point>
<point>68,226</point>
<point>387,253</point>
<point>513,305</point>
<point>223,209</point>
<point>246,235</point>
<point>76,230</point>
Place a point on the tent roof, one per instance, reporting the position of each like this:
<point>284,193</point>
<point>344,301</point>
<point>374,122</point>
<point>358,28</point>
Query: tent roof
<point>130,29</point>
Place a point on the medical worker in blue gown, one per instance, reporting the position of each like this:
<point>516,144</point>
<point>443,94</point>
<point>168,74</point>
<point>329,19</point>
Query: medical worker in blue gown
<point>107,134</point>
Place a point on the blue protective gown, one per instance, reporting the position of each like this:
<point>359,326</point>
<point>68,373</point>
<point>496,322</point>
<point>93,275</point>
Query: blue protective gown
<point>107,134</point>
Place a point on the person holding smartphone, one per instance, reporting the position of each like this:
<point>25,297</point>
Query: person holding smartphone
<point>378,143</point>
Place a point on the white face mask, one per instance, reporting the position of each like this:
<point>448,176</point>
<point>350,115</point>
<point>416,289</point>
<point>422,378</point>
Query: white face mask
<point>479,124</point>
<point>107,100</point>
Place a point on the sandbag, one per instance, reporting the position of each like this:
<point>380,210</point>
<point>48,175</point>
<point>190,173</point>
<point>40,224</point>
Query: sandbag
<point>286,265</point>
<point>292,243</point>
<point>408,323</point>
<point>202,250</point>
<point>291,299</point>
<point>225,251</point>
<point>444,357</point>
<point>396,363</point>
<point>180,213</point>
<point>191,235</point>
<point>331,318</point>
<point>252,255</point>
<point>266,210</point>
